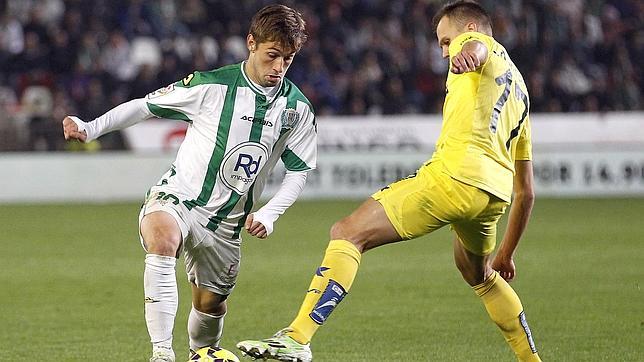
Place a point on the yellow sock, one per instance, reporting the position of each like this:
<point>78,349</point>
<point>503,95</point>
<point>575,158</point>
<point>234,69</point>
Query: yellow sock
<point>505,309</point>
<point>330,284</point>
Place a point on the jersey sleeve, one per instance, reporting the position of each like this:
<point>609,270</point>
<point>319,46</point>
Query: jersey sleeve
<point>524,144</point>
<point>456,45</point>
<point>180,101</point>
<point>301,146</point>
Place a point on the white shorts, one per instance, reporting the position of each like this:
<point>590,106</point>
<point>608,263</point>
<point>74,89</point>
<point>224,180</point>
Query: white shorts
<point>212,261</point>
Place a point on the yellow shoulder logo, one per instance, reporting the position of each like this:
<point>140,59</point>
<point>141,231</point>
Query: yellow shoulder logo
<point>187,79</point>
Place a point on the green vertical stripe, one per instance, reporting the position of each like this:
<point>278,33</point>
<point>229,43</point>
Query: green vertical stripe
<point>255,136</point>
<point>225,121</point>
<point>258,118</point>
<point>248,206</point>
<point>213,224</point>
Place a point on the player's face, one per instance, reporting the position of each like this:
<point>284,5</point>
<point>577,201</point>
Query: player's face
<point>446,31</point>
<point>267,62</point>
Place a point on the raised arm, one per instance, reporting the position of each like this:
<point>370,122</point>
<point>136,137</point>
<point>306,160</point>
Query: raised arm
<point>121,116</point>
<point>523,199</point>
<point>473,54</point>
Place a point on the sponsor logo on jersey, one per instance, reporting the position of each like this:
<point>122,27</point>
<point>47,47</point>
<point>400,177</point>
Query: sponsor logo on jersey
<point>333,294</point>
<point>289,118</point>
<point>261,121</point>
<point>161,91</point>
<point>242,164</point>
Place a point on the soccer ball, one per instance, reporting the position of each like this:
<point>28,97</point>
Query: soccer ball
<point>213,354</point>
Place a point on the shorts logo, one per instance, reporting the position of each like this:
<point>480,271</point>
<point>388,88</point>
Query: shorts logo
<point>242,164</point>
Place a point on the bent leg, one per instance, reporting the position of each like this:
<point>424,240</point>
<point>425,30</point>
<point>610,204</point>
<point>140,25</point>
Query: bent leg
<point>501,302</point>
<point>206,319</point>
<point>366,228</point>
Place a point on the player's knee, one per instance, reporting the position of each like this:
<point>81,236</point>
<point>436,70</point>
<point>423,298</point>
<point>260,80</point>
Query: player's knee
<point>342,230</point>
<point>337,230</point>
<point>162,241</point>
<point>212,306</point>
<point>473,276</point>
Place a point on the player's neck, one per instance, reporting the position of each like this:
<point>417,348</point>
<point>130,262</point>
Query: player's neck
<point>267,91</point>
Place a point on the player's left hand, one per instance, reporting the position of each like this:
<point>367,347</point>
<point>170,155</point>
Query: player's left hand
<point>255,228</point>
<point>464,61</point>
<point>505,267</point>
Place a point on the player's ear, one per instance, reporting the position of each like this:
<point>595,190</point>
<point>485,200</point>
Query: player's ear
<point>472,26</point>
<point>250,43</point>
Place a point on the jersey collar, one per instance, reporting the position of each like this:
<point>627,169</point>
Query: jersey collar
<point>255,88</point>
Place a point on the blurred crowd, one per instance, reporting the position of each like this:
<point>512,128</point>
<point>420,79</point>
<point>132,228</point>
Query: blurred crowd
<point>83,57</point>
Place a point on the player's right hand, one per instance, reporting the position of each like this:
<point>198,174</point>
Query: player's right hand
<point>505,267</point>
<point>71,131</point>
<point>465,61</point>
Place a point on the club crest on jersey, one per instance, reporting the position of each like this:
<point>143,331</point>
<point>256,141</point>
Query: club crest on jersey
<point>241,165</point>
<point>289,118</point>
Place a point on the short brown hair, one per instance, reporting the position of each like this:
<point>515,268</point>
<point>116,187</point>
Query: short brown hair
<point>280,24</point>
<point>463,11</point>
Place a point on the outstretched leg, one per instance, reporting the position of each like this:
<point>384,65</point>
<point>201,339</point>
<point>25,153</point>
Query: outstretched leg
<point>366,228</point>
<point>501,302</point>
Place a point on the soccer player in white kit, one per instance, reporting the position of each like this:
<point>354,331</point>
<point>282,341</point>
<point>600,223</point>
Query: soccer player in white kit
<point>242,119</point>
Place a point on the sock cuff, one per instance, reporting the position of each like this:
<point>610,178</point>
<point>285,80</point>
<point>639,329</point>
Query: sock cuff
<point>344,247</point>
<point>483,288</point>
<point>160,260</point>
<point>201,315</point>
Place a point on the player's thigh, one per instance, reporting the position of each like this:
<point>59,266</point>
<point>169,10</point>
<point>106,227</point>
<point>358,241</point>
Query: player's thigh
<point>478,233</point>
<point>417,204</point>
<point>366,227</point>
<point>212,260</point>
<point>162,227</point>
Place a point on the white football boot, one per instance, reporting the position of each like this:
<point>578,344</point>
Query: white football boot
<point>160,354</point>
<point>280,347</point>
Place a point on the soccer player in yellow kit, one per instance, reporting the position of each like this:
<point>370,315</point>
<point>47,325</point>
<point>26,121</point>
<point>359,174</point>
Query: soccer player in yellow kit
<point>482,160</point>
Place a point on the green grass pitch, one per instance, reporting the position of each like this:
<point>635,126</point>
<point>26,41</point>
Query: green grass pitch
<point>71,287</point>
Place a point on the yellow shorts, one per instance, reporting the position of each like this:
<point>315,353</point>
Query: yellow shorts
<point>431,199</point>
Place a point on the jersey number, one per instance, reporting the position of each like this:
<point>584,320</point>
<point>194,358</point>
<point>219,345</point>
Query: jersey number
<point>506,79</point>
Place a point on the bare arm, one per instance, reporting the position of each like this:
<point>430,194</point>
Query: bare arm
<point>473,54</point>
<point>518,220</point>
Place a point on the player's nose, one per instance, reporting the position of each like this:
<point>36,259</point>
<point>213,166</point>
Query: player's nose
<point>278,65</point>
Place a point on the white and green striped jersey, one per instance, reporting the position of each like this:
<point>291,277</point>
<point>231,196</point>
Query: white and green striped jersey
<point>236,135</point>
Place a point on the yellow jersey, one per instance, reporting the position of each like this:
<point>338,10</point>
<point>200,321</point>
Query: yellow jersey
<point>486,126</point>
